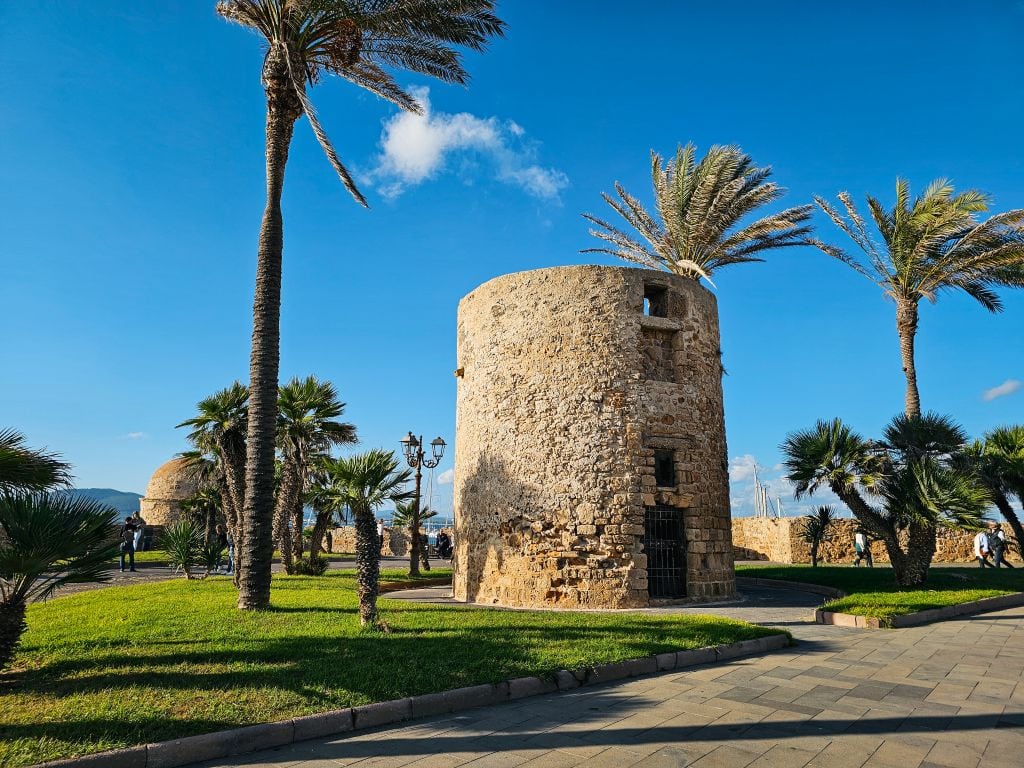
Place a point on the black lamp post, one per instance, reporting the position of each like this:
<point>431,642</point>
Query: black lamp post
<point>412,447</point>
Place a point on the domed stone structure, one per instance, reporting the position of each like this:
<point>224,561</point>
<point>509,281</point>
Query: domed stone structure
<point>170,484</point>
<point>590,461</point>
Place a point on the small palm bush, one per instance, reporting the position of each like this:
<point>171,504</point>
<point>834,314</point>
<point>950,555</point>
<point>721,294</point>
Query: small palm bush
<point>814,529</point>
<point>310,566</point>
<point>47,540</point>
<point>184,545</point>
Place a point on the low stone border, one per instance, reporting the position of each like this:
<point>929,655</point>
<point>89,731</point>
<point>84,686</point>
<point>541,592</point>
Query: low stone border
<point>398,586</point>
<point>921,617</point>
<point>253,738</point>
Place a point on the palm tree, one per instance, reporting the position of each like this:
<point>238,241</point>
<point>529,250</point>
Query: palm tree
<point>364,483</point>
<point>931,245</point>
<point>307,429</point>
<point>218,432</point>
<point>814,529</point>
<point>322,496</point>
<point>306,39</point>
<point>914,473</point>
<point>1004,458</point>
<point>203,508</point>
<point>411,517</point>
<point>47,540</point>
<point>24,468</point>
<point>700,205</point>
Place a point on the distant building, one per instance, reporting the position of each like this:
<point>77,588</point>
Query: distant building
<point>168,487</point>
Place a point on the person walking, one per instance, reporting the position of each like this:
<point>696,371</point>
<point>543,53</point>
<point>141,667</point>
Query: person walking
<point>981,550</point>
<point>127,542</point>
<point>997,545</point>
<point>140,530</point>
<point>862,546</point>
<point>380,534</point>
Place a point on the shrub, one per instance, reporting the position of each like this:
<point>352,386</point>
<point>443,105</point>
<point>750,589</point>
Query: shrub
<point>306,566</point>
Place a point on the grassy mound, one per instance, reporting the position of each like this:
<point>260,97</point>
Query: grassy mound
<point>873,592</point>
<point>143,663</point>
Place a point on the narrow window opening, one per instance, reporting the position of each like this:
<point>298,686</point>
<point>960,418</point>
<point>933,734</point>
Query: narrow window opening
<point>655,301</point>
<point>665,469</point>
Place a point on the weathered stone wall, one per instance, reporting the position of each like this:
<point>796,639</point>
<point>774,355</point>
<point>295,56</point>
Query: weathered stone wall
<point>778,540</point>
<point>170,484</point>
<point>396,540</point>
<point>567,391</point>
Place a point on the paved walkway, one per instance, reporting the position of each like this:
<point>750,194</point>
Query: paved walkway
<point>949,694</point>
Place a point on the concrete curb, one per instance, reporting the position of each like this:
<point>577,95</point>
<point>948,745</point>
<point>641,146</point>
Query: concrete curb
<point>239,741</point>
<point>921,617</point>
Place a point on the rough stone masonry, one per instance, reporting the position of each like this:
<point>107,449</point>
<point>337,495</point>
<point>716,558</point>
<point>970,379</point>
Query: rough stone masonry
<point>590,463</point>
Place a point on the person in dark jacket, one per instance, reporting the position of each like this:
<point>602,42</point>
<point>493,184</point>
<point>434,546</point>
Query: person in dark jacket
<point>127,538</point>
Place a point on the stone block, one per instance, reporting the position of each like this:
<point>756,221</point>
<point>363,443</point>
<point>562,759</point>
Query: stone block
<point>133,757</point>
<point>476,696</point>
<point>666,661</point>
<point>565,680</point>
<point>381,713</point>
<point>521,687</point>
<point>209,746</point>
<point>429,704</point>
<point>322,724</point>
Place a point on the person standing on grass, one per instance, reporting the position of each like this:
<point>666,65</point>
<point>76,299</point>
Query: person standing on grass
<point>380,534</point>
<point>862,547</point>
<point>981,550</point>
<point>127,538</point>
<point>997,545</point>
<point>140,526</point>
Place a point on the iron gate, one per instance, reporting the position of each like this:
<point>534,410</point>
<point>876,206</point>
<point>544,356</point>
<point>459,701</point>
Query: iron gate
<point>666,552</point>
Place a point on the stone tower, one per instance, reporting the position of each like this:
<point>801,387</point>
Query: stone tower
<point>168,487</point>
<point>590,462</point>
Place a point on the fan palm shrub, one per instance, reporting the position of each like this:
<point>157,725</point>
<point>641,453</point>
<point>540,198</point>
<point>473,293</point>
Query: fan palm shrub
<point>48,540</point>
<point>364,483</point>
<point>308,410</point>
<point>28,469</point>
<point>411,517</point>
<point>930,245</point>
<point>814,529</point>
<point>904,485</point>
<point>700,205</point>
<point>306,40</point>
<point>183,543</point>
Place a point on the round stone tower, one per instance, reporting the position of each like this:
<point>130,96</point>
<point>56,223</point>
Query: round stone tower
<point>590,461</point>
<point>168,487</point>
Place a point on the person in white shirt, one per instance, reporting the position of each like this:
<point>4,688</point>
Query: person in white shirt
<point>380,535</point>
<point>981,551</point>
<point>140,529</point>
<point>862,547</point>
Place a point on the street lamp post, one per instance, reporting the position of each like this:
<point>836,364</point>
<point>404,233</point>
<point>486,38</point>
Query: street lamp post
<point>412,447</point>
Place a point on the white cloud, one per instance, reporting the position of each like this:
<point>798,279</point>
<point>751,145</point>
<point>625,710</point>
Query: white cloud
<point>742,468</point>
<point>1008,387</point>
<point>133,436</point>
<point>446,478</point>
<point>416,148</point>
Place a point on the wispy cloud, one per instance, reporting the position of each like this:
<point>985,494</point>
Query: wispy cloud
<point>447,477</point>
<point>415,148</point>
<point>780,488</point>
<point>1008,387</point>
<point>133,436</point>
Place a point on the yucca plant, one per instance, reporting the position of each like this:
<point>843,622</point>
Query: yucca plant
<point>814,529</point>
<point>306,40</point>
<point>930,245</point>
<point>697,228</point>
<point>183,543</point>
<point>48,540</point>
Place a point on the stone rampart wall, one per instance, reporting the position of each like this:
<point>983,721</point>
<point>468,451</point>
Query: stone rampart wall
<point>778,540</point>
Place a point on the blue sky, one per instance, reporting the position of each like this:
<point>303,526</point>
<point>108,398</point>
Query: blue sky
<point>132,153</point>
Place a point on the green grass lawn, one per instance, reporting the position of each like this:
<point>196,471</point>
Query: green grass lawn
<point>872,591</point>
<point>128,665</point>
<point>159,557</point>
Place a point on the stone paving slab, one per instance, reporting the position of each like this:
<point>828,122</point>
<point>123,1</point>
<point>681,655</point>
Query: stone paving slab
<point>949,694</point>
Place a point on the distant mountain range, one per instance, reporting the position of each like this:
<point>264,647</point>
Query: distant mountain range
<point>125,502</point>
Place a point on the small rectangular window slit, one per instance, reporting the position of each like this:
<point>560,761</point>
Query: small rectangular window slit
<point>655,301</point>
<point>665,469</point>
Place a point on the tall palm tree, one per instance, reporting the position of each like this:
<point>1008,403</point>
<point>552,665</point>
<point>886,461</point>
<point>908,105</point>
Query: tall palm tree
<point>47,540</point>
<point>306,39</point>
<point>913,476</point>
<point>930,245</point>
<point>411,517</point>
<point>321,494</point>
<point>364,483</point>
<point>700,205</point>
<point>219,432</point>
<point>29,469</point>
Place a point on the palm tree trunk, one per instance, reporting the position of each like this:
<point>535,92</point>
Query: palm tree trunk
<point>283,109</point>
<point>323,519</point>
<point>414,546</point>
<point>232,523</point>
<point>367,567</point>
<point>920,550</point>
<point>814,555</point>
<point>1003,504</point>
<point>906,326</point>
<point>12,625</point>
<point>297,510</point>
<point>285,502</point>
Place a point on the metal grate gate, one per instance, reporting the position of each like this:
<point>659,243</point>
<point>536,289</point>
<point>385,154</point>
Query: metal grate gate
<point>666,552</point>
